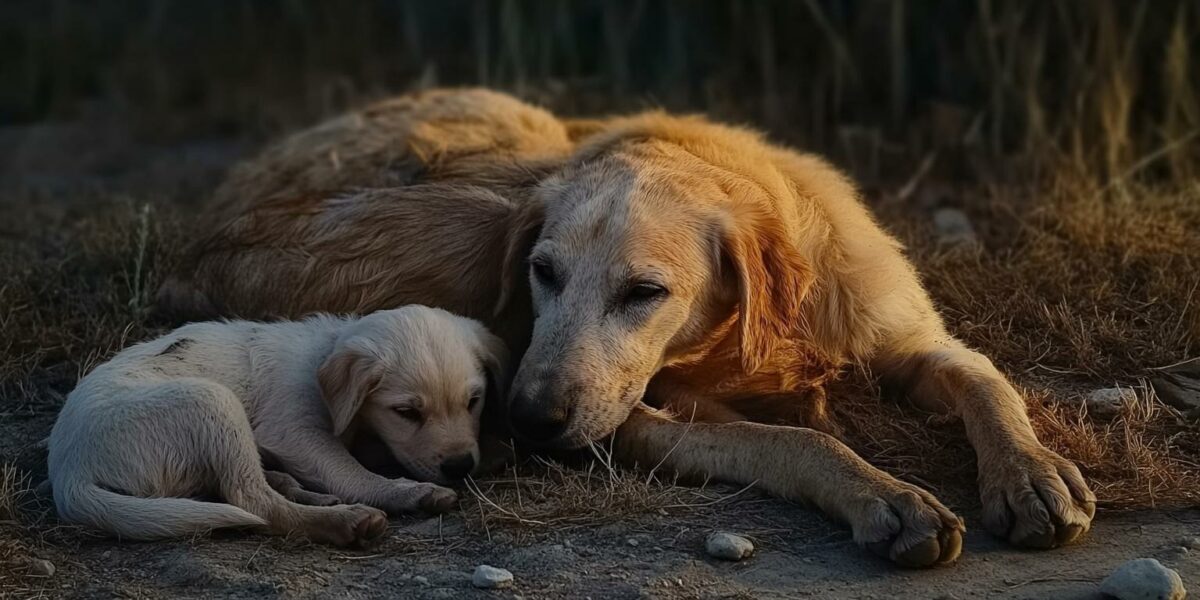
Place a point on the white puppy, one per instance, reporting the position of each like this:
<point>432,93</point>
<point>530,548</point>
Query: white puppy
<point>196,412</point>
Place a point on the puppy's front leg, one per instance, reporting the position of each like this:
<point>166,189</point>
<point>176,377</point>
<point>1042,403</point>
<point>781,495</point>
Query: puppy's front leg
<point>321,461</point>
<point>894,519</point>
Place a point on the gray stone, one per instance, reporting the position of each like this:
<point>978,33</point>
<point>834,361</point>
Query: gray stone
<point>1190,542</point>
<point>41,567</point>
<point>727,546</point>
<point>421,579</point>
<point>1143,579</point>
<point>632,542</point>
<point>1106,402</point>
<point>954,227</point>
<point>488,577</point>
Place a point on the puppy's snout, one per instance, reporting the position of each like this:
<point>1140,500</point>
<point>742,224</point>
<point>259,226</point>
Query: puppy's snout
<point>538,419</point>
<point>458,467</point>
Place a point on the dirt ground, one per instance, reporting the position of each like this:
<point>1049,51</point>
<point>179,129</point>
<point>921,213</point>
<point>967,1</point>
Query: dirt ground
<point>646,543</point>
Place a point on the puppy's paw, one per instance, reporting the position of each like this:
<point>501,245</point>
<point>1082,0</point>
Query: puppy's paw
<point>347,525</point>
<point>1034,498</point>
<point>409,496</point>
<point>907,525</point>
<point>439,500</point>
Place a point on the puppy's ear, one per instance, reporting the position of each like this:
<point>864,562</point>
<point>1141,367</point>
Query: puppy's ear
<point>346,378</point>
<point>493,353</point>
<point>772,279</point>
<point>524,226</point>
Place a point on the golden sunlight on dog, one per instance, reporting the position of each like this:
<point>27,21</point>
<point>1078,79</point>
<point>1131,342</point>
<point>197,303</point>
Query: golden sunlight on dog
<point>649,271</point>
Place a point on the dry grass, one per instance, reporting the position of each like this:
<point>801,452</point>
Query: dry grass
<point>77,290</point>
<point>540,495</point>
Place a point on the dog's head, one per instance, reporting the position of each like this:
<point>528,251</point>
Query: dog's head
<point>639,253</point>
<point>418,377</point>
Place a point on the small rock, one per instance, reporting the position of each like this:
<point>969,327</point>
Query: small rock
<point>1106,402</point>
<point>632,542</point>
<point>727,546</point>
<point>1143,579</point>
<point>487,577</point>
<point>1191,543</point>
<point>41,567</point>
<point>421,579</point>
<point>954,227</point>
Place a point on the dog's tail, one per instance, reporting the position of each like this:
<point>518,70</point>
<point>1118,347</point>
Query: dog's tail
<point>136,518</point>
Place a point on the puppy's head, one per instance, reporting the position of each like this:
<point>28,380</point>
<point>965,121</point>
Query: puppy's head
<point>646,254</point>
<point>418,377</point>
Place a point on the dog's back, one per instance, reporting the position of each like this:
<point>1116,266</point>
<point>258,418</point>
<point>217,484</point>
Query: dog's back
<point>449,167</point>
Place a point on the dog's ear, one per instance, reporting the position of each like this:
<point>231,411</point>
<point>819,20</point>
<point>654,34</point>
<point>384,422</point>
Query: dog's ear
<point>346,378</point>
<point>524,226</point>
<point>493,354</point>
<point>772,279</point>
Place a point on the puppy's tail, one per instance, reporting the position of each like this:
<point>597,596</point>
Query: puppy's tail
<point>135,518</point>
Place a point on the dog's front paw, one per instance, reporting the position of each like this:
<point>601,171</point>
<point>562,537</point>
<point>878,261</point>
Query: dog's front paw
<point>408,496</point>
<point>1034,498</point>
<point>907,525</point>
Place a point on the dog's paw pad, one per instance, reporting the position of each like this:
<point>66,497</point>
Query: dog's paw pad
<point>911,528</point>
<point>1036,499</point>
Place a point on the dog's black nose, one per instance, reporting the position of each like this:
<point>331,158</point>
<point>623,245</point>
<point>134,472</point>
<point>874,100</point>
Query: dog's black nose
<point>537,421</point>
<point>457,467</point>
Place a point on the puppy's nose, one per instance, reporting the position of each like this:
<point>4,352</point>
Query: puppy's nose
<point>537,421</point>
<point>457,467</point>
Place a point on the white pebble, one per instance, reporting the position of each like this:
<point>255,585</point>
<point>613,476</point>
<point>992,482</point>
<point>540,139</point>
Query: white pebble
<point>491,577</point>
<point>421,579</point>
<point>727,546</point>
<point>632,542</point>
<point>1143,579</point>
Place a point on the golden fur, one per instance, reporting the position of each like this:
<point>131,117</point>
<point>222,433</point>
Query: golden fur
<point>772,272</point>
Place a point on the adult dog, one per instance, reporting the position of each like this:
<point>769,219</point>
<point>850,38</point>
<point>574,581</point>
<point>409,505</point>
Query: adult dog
<point>679,270</point>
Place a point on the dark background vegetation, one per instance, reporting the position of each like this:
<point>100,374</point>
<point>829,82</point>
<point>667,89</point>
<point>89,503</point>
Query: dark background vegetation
<point>1101,82</point>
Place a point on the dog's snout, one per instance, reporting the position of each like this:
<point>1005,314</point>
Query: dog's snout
<point>537,420</point>
<point>457,467</point>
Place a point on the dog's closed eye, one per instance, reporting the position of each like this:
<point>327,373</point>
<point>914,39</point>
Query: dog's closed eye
<point>645,291</point>
<point>474,400</point>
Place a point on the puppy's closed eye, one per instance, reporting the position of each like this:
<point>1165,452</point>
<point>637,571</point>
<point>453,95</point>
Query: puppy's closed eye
<point>409,413</point>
